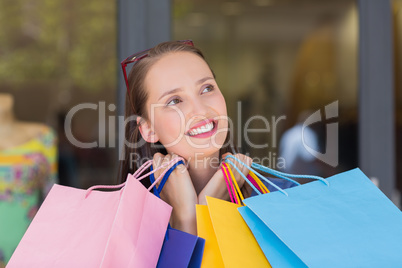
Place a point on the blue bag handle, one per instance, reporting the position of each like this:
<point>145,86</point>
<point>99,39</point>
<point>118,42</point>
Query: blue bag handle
<point>287,176</point>
<point>158,189</point>
<point>256,173</point>
<point>272,172</point>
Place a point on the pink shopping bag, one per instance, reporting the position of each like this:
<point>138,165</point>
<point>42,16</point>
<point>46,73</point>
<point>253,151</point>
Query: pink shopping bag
<point>90,228</point>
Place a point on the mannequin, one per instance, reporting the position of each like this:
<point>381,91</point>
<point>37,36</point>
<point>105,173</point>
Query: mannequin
<point>28,169</point>
<point>12,132</point>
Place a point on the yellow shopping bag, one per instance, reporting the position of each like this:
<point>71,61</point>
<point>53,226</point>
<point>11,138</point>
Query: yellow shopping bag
<point>212,256</point>
<point>228,240</point>
<point>236,242</point>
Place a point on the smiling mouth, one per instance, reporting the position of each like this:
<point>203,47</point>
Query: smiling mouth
<point>209,126</point>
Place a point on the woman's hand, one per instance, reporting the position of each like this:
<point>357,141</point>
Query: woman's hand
<point>216,187</point>
<point>178,192</point>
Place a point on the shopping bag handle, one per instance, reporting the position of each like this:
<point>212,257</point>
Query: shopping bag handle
<point>272,172</point>
<point>241,173</point>
<point>234,197</point>
<point>168,166</point>
<point>142,168</point>
<point>139,171</point>
<point>256,173</point>
<point>158,190</point>
<point>229,185</point>
<point>287,176</point>
<point>259,167</point>
<point>225,170</point>
<point>257,182</point>
<point>282,175</point>
<point>235,193</point>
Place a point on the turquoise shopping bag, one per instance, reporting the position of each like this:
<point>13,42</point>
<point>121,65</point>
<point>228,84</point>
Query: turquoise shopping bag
<point>261,232</point>
<point>342,221</point>
<point>278,254</point>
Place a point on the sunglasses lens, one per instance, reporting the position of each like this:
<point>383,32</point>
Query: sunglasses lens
<point>128,63</point>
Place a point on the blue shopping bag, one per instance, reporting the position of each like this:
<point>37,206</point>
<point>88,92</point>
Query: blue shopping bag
<point>342,221</point>
<point>179,249</point>
<point>276,252</point>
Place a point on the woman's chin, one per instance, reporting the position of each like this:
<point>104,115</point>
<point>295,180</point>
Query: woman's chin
<point>197,154</point>
<point>191,148</point>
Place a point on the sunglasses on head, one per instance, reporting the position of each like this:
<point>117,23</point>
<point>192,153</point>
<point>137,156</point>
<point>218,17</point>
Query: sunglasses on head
<point>139,56</point>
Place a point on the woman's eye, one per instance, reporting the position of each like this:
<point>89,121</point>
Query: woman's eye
<point>208,89</point>
<point>173,102</point>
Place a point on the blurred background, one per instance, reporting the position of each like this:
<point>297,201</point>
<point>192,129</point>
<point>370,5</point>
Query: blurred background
<point>283,60</point>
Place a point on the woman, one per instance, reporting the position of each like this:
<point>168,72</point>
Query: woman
<point>179,110</point>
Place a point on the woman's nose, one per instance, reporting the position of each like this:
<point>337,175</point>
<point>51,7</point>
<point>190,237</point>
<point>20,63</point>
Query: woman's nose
<point>198,108</point>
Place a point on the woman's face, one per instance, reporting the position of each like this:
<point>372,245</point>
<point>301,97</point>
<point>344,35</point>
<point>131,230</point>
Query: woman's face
<point>185,108</point>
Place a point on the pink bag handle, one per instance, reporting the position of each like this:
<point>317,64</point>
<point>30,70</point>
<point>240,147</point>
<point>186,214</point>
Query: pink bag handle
<point>251,179</point>
<point>237,196</point>
<point>170,164</point>
<point>142,168</point>
<point>139,171</point>
<point>230,187</point>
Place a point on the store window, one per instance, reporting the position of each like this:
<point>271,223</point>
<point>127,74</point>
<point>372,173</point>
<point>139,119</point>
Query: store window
<point>56,55</point>
<point>277,63</point>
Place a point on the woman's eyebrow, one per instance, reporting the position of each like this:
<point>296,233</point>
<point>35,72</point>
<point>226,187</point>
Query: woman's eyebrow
<point>202,80</point>
<point>169,92</point>
<point>175,90</point>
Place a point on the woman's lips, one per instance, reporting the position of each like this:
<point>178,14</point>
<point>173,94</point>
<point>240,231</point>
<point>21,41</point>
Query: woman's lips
<point>203,129</point>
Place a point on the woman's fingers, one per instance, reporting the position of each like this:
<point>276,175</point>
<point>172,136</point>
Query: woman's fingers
<point>225,154</point>
<point>242,168</point>
<point>247,160</point>
<point>178,192</point>
<point>243,158</point>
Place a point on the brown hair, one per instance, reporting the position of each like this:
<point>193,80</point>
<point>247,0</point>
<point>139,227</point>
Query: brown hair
<point>135,106</point>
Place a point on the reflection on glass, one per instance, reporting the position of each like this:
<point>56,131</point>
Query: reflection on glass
<point>277,63</point>
<point>54,56</point>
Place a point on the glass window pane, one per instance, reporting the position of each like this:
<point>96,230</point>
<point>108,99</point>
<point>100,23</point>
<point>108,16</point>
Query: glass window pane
<point>277,63</point>
<point>56,55</point>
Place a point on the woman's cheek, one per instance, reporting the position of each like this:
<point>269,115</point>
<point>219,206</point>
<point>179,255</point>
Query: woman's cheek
<point>224,120</point>
<point>218,103</point>
<point>222,132</point>
<point>169,128</point>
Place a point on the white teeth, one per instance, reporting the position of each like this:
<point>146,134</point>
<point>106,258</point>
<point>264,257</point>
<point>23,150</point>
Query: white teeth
<point>205,128</point>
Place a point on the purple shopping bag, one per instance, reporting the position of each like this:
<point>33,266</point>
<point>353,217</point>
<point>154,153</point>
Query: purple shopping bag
<point>181,249</point>
<point>89,228</point>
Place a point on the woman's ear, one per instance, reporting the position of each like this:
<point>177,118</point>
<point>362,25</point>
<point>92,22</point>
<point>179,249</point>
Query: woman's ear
<point>146,130</point>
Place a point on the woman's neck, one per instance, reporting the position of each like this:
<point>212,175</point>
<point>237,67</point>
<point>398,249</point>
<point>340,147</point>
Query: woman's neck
<point>201,170</point>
